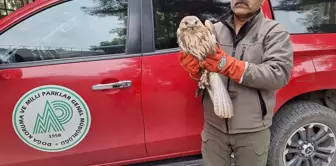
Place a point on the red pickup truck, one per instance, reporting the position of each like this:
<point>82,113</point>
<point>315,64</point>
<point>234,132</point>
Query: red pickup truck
<point>98,82</point>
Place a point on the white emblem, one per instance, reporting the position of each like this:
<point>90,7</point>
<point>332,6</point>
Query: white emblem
<point>51,118</point>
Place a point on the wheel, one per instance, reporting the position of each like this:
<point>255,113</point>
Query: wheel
<point>303,134</point>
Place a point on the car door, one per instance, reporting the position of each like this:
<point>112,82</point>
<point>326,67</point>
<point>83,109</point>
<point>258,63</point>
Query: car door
<point>173,116</point>
<point>70,77</point>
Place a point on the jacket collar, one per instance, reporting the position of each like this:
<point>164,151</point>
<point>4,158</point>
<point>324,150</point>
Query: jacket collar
<point>227,19</point>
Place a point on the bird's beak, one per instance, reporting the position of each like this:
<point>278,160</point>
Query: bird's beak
<point>193,27</point>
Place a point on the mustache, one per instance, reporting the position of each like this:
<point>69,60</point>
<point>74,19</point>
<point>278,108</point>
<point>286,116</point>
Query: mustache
<point>245,2</point>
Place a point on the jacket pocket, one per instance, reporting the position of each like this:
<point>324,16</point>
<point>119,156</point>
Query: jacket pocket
<point>262,105</point>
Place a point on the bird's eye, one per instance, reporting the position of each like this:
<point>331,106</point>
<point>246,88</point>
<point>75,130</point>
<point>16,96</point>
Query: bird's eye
<point>186,23</point>
<point>196,22</point>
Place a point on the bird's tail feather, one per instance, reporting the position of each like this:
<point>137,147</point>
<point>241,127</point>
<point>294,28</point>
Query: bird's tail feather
<point>220,97</point>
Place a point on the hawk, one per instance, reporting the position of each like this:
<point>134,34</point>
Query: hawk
<point>199,40</point>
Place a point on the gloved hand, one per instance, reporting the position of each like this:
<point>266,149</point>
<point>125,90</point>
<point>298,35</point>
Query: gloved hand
<point>190,64</point>
<point>224,64</point>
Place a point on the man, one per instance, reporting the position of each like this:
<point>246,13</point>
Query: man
<point>255,59</point>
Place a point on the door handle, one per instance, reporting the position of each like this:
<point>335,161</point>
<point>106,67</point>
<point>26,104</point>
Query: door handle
<point>116,85</point>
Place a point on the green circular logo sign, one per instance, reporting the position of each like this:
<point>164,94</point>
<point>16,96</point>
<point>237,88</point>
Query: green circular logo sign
<point>51,118</point>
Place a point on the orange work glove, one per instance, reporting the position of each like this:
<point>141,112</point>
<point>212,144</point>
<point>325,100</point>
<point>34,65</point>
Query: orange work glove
<point>190,64</point>
<point>224,64</point>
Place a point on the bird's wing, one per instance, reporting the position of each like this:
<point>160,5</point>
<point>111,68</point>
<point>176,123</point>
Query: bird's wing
<point>211,27</point>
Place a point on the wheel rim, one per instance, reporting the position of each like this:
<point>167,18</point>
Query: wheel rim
<point>310,145</point>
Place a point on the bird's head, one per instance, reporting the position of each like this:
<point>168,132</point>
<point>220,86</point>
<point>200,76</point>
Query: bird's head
<point>190,23</point>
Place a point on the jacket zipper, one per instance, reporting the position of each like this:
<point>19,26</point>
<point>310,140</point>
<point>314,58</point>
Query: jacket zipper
<point>228,82</point>
<point>233,54</point>
<point>243,52</point>
<point>235,43</point>
<point>227,87</point>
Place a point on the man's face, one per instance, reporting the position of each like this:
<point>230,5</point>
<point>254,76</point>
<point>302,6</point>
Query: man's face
<point>245,7</point>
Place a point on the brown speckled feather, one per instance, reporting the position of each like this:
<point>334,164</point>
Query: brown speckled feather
<point>200,41</point>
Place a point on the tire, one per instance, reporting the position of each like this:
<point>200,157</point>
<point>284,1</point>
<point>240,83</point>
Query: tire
<point>286,123</point>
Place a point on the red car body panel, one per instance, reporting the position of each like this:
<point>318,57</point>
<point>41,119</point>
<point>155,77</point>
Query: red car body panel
<point>173,117</point>
<point>157,118</point>
<point>116,131</point>
<point>314,66</point>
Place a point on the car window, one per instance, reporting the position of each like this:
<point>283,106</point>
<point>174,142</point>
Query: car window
<point>168,14</point>
<point>72,29</point>
<point>305,16</point>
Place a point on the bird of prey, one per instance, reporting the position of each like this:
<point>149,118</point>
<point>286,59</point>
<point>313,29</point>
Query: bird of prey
<point>199,40</point>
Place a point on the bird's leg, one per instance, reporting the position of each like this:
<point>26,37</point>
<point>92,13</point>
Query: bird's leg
<point>201,86</point>
<point>207,78</point>
<point>198,92</point>
<point>203,82</point>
